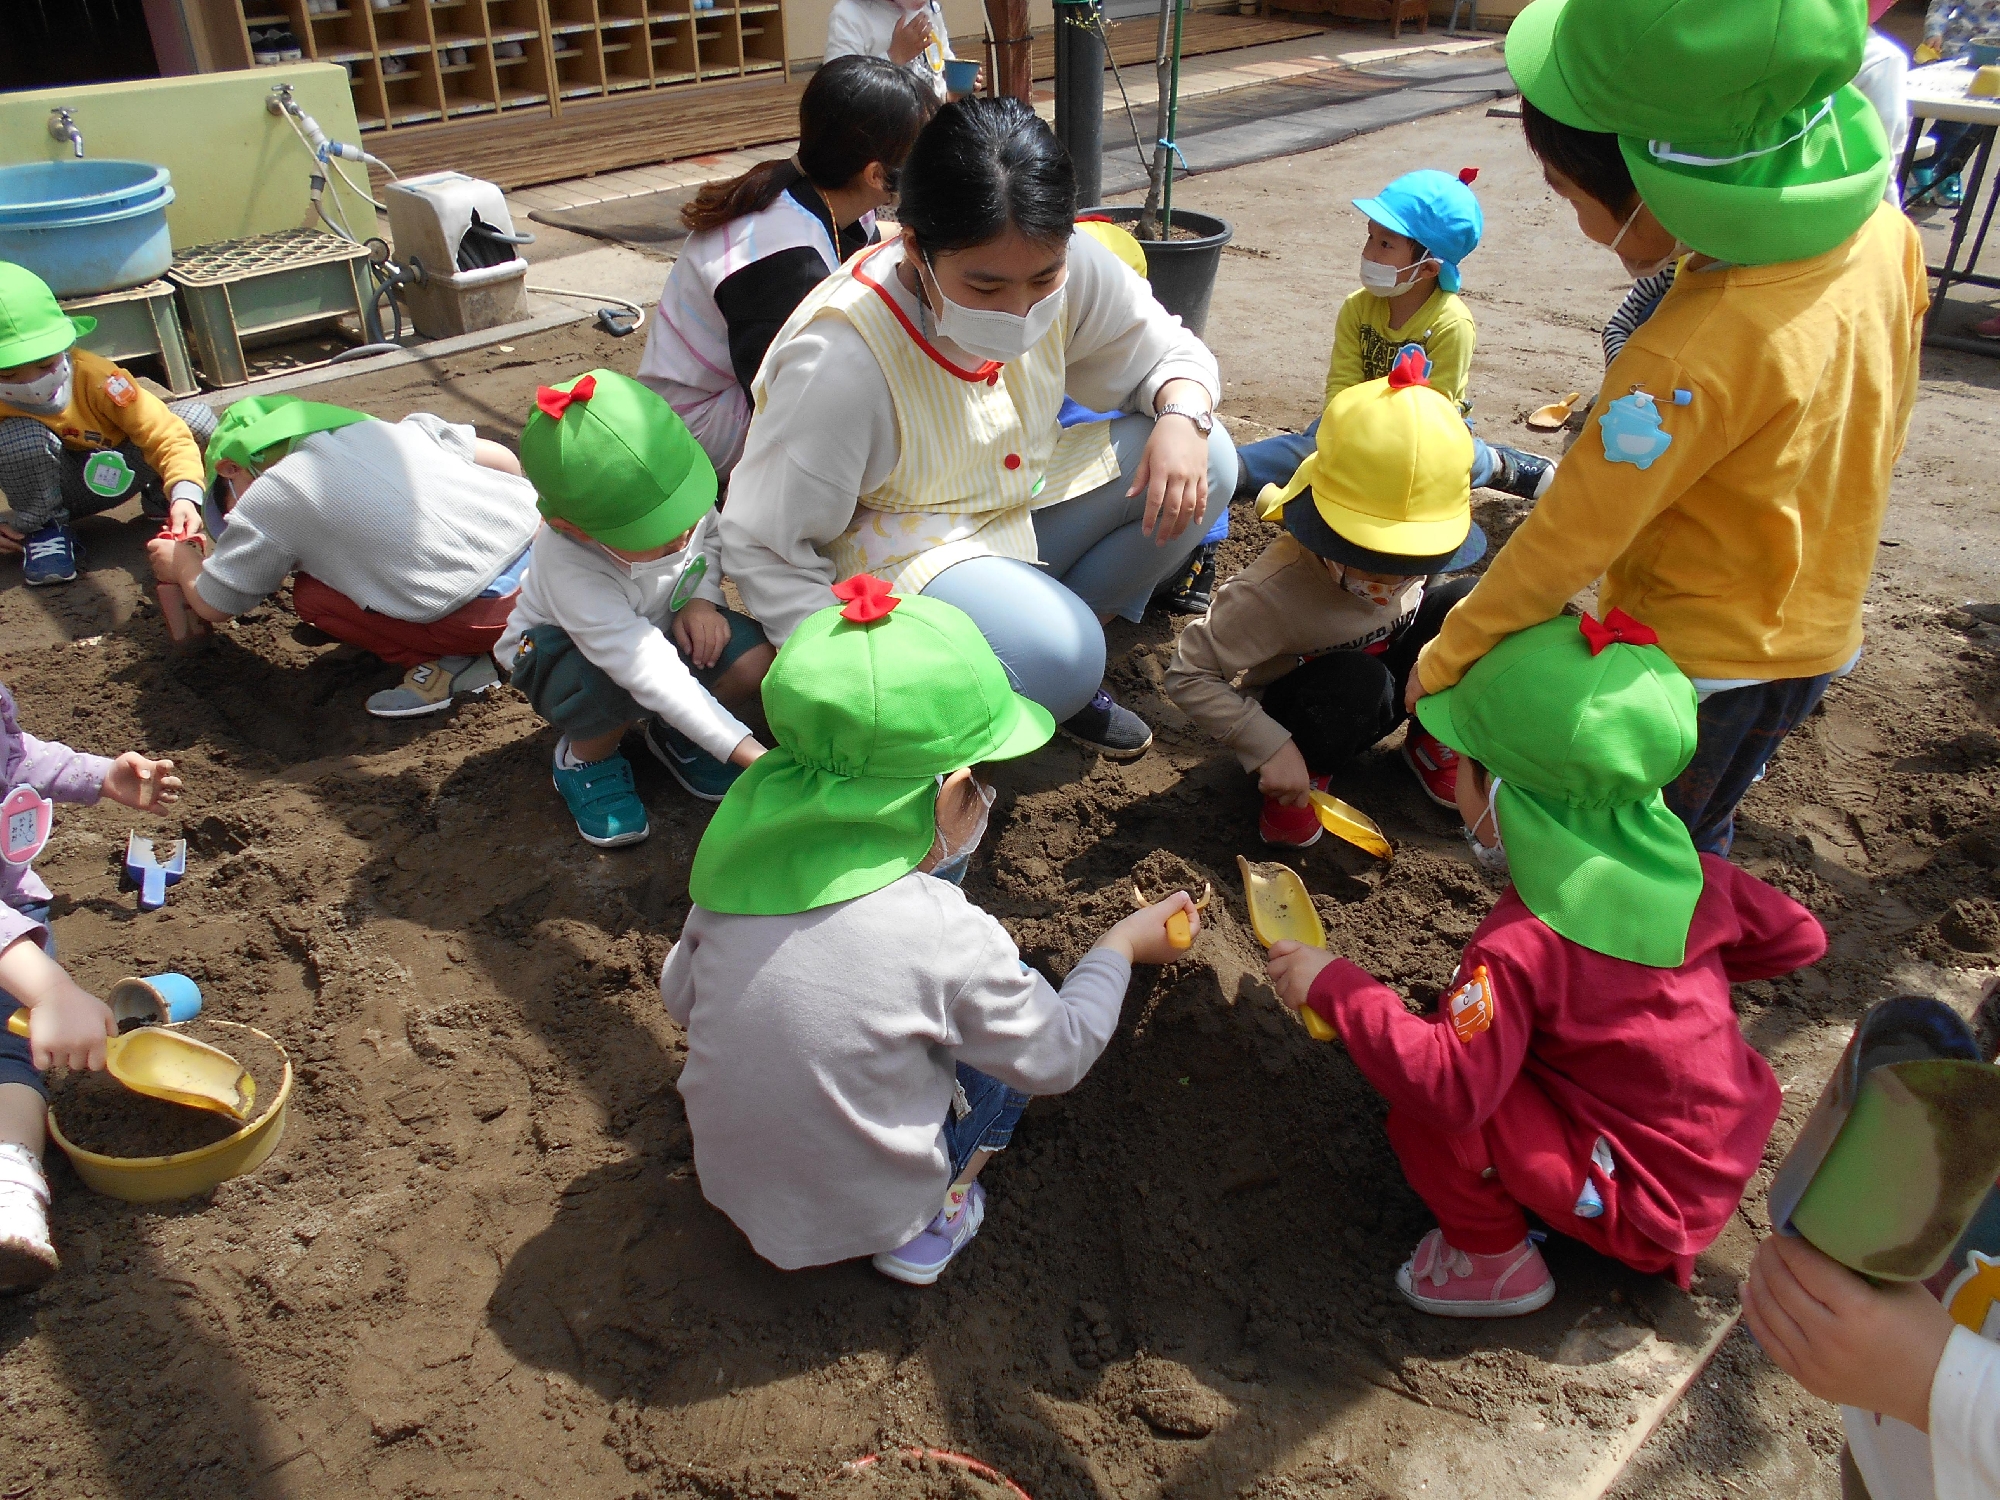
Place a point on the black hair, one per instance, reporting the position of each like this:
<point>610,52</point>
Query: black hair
<point>980,166</point>
<point>1589,158</point>
<point>855,110</point>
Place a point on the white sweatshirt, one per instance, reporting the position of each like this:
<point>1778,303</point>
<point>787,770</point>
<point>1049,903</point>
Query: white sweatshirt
<point>827,434</point>
<point>866,27</point>
<point>1960,1460</point>
<point>617,614</point>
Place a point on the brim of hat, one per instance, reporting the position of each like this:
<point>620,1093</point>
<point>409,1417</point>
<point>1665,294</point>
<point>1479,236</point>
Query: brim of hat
<point>1394,222</point>
<point>1027,727</point>
<point>1305,519</point>
<point>1622,881</point>
<point>1531,61</point>
<point>692,499</point>
<point>38,347</point>
<point>1842,166</point>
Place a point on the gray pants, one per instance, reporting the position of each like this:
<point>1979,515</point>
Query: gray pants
<point>44,481</point>
<point>1042,622</point>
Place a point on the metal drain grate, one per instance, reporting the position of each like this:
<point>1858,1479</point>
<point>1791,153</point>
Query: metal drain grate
<point>231,260</point>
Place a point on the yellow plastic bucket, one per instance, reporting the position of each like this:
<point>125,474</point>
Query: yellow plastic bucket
<point>155,1179</point>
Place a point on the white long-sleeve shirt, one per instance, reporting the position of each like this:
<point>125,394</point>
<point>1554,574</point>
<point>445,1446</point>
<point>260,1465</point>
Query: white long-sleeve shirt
<point>1960,1460</point>
<point>619,618</point>
<point>827,434</point>
<point>866,27</point>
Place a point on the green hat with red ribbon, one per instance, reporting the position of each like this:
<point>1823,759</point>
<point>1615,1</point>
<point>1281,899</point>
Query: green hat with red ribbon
<point>609,456</point>
<point>1583,722</point>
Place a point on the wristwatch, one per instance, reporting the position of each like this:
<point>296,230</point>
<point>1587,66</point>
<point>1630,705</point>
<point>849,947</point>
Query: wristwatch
<point>1203,419</point>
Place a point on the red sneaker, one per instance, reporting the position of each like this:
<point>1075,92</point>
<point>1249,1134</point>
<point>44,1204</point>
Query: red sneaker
<point>1435,764</point>
<point>1452,1283</point>
<point>1293,827</point>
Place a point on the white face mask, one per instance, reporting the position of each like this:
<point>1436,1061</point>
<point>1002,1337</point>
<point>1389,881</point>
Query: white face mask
<point>1639,273</point>
<point>956,859</point>
<point>1492,857</point>
<point>1387,281</point>
<point>1374,591</point>
<point>48,395</point>
<point>988,334</point>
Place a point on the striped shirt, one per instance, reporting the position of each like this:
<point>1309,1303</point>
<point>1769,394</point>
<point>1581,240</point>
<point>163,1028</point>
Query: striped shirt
<point>1636,308</point>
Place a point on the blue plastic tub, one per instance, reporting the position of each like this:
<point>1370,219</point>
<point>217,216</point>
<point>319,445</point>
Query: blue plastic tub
<point>87,226</point>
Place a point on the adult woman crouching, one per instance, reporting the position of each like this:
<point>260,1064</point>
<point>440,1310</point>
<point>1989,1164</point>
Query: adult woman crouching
<point>905,424</point>
<point>761,241</point>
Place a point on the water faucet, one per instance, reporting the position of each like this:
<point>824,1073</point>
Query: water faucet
<point>62,127</point>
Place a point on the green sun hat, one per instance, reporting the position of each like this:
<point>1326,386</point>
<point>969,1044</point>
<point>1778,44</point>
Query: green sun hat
<point>612,458</point>
<point>869,704</point>
<point>1584,723</point>
<point>1736,120</point>
<point>252,427</point>
<point>33,325</point>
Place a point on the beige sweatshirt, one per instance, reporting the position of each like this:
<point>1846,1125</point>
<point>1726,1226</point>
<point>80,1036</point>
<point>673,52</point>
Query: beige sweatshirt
<point>820,1052</point>
<point>1275,615</point>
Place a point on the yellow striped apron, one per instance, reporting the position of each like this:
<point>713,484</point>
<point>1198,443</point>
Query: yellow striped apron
<point>981,450</point>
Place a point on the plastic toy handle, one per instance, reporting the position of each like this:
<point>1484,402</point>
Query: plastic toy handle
<point>1316,1026</point>
<point>1179,933</point>
<point>18,1022</point>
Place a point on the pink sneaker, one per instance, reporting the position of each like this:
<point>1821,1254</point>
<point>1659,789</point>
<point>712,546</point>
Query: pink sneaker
<point>1451,1283</point>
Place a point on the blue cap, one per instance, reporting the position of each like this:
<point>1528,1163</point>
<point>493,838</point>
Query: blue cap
<point>1436,210</point>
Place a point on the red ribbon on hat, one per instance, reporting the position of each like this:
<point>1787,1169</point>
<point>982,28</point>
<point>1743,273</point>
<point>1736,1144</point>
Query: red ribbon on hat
<point>1468,175</point>
<point>1412,367</point>
<point>553,403</point>
<point>868,598</point>
<point>1616,627</point>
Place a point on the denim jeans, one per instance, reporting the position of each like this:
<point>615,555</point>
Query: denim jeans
<point>988,1123</point>
<point>1738,732</point>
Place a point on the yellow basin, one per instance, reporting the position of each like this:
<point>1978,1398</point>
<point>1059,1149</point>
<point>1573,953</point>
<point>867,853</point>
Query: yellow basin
<point>155,1179</point>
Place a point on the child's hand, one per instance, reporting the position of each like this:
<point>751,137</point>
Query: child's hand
<point>1876,1348</point>
<point>69,1025</point>
<point>701,633</point>
<point>11,541</point>
<point>1143,938</point>
<point>1284,776</point>
<point>911,36</point>
<point>1292,968</point>
<point>176,560</point>
<point>183,521</point>
<point>135,781</point>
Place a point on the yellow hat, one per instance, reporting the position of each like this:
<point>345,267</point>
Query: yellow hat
<point>1391,480</point>
<point>1119,242</point>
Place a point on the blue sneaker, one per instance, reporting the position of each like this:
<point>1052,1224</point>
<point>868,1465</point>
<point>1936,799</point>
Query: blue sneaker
<point>923,1259</point>
<point>49,556</point>
<point>693,767</point>
<point>608,812</point>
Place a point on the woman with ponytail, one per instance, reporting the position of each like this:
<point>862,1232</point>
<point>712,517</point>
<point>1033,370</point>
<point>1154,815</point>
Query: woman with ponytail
<point>761,241</point>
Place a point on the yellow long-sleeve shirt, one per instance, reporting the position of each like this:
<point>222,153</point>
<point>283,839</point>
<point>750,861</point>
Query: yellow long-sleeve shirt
<point>108,407</point>
<point>1364,345</point>
<point>1748,542</point>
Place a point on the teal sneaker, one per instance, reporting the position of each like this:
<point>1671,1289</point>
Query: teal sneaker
<point>608,812</point>
<point>693,767</point>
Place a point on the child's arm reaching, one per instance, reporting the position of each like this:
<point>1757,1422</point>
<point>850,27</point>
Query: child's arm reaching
<point>65,775</point>
<point>1775,934</point>
<point>66,1023</point>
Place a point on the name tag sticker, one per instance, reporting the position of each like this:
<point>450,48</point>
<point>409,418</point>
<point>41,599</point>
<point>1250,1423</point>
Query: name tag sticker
<point>26,818</point>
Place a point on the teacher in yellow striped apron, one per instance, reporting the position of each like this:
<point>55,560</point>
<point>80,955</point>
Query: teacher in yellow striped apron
<point>904,424</point>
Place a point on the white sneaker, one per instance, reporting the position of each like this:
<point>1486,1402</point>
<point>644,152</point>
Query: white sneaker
<point>27,1258</point>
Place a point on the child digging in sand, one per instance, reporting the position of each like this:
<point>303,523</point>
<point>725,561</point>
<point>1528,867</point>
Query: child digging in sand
<point>620,619</point>
<point>1585,1065</point>
<point>1299,665</point>
<point>860,1037</point>
<point>66,1024</point>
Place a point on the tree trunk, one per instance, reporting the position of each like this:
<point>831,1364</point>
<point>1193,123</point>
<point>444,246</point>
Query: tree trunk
<point>1156,175</point>
<point>1011,47</point>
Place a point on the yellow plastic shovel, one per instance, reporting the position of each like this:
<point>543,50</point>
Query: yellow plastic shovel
<point>1281,910</point>
<point>166,1065</point>
<point>1549,418</point>
<point>1345,821</point>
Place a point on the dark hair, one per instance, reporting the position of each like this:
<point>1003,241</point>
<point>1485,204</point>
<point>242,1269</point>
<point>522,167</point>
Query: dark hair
<point>1589,158</point>
<point>980,166</point>
<point>855,110</point>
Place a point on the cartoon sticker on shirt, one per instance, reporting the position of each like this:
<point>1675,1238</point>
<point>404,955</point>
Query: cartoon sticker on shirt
<point>1631,431</point>
<point>26,817</point>
<point>691,577</point>
<point>107,474</point>
<point>121,390</point>
<point>1973,1298</point>
<point>1470,1006</point>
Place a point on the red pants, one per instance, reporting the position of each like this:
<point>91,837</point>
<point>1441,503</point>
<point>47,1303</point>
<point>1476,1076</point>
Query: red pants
<point>1478,1183</point>
<point>469,630</point>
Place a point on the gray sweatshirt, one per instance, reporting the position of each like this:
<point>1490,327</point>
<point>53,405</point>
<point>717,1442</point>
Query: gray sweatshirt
<point>820,1051</point>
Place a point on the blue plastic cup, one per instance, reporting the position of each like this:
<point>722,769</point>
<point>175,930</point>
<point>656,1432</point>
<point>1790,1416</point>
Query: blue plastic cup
<point>959,77</point>
<point>155,1000</point>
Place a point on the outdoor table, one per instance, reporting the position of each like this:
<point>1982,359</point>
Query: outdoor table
<point>1938,92</point>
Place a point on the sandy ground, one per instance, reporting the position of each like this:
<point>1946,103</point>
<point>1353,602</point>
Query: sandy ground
<point>480,1263</point>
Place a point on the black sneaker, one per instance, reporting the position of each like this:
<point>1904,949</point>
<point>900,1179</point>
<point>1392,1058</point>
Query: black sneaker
<point>1113,732</point>
<point>1520,473</point>
<point>1194,590</point>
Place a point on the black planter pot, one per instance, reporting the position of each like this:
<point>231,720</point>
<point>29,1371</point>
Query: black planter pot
<point>1182,271</point>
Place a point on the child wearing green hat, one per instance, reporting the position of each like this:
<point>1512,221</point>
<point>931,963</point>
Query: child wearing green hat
<point>78,435</point>
<point>620,619</point>
<point>860,1037</point>
<point>1731,484</point>
<point>1299,664</point>
<point>1585,1065</point>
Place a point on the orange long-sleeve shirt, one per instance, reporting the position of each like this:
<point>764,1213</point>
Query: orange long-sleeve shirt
<point>108,407</point>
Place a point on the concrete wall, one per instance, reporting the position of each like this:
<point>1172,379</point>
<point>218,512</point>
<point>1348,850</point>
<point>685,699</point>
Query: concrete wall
<point>805,23</point>
<point>237,169</point>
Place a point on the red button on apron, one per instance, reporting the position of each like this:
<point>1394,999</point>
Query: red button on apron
<point>1013,460</point>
